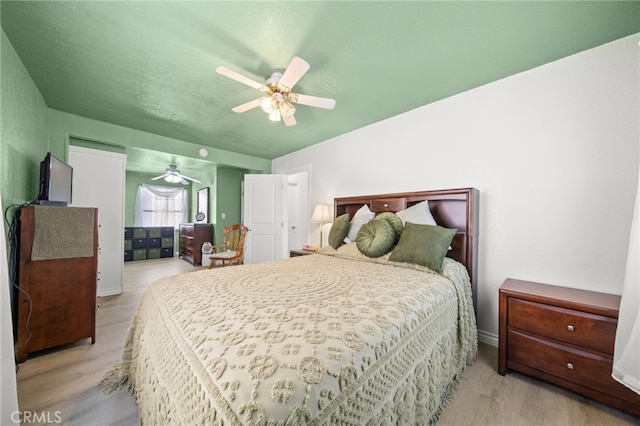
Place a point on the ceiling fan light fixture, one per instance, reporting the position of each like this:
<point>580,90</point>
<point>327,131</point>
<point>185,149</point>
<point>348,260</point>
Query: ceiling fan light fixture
<point>173,175</point>
<point>279,99</point>
<point>173,179</point>
<point>274,115</point>
<point>266,104</point>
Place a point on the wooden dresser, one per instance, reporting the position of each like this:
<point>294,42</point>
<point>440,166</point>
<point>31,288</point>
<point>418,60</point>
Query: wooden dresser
<point>56,303</point>
<point>564,336</point>
<point>192,236</point>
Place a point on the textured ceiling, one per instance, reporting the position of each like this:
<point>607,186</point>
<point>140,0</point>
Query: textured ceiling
<point>151,65</point>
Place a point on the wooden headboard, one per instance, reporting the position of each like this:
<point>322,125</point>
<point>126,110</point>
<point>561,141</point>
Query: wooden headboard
<point>451,208</point>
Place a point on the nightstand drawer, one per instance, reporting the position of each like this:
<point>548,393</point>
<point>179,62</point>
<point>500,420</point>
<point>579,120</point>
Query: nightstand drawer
<point>567,362</point>
<point>580,328</point>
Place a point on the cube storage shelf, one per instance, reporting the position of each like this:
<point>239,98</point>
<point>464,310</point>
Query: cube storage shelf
<point>148,243</point>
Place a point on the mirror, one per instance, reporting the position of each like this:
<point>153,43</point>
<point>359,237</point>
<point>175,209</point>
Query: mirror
<point>202,215</point>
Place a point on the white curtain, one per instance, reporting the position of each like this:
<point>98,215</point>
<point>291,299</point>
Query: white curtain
<point>626,356</point>
<point>161,206</point>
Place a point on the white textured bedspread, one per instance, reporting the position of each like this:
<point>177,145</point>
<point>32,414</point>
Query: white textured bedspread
<point>331,338</point>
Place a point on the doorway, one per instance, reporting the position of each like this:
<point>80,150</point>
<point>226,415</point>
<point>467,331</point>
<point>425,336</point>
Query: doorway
<point>298,207</point>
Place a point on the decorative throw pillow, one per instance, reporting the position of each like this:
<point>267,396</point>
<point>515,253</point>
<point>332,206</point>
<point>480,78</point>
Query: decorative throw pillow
<point>418,213</point>
<point>362,216</point>
<point>376,238</point>
<point>395,222</point>
<point>424,245</point>
<point>339,230</point>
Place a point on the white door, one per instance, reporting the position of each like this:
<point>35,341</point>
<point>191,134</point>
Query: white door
<point>98,181</point>
<point>265,214</point>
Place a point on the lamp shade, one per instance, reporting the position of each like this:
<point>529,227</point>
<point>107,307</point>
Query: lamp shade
<point>321,214</point>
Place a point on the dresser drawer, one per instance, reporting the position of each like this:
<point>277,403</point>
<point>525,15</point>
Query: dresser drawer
<point>390,205</point>
<point>567,362</point>
<point>579,328</point>
<point>186,231</point>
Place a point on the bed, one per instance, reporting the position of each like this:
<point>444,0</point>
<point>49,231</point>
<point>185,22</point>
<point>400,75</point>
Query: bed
<point>337,337</point>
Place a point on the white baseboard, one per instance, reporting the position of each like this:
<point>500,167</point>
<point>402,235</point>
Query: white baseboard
<point>488,338</point>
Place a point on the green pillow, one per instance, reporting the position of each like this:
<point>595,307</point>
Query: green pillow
<point>424,245</point>
<point>375,238</point>
<point>339,231</point>
<point>395,222</point>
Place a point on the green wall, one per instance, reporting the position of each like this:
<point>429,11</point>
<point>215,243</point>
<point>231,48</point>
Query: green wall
<point>29,129</point>
<point>23,130</point>
<point>229,200</point>
<point>225,196</point>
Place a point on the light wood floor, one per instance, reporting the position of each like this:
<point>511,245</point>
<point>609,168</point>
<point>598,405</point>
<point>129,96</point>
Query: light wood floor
<point>62,382</point>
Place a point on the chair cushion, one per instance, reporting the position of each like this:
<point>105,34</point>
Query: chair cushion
<point>224,255</point>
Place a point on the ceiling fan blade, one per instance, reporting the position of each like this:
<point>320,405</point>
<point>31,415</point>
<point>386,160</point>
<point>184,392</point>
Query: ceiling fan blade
<point>314,101</point>
<point>188,178</point>
<point>160,177</point>
<point>294,72</point>
<point>247,106</point>
<point>289,120</point>
<point>240,78</point>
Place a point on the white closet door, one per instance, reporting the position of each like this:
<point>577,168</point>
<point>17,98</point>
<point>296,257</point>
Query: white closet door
<point>98,181</point>
<point>265,214</point>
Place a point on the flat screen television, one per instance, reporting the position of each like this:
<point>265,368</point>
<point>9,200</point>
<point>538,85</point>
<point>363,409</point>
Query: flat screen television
<point>55,181</point>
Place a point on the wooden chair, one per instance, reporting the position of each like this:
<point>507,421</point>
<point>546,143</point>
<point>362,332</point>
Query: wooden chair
<point>231,249</point>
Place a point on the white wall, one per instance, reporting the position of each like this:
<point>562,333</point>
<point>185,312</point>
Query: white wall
<point>553,152</point>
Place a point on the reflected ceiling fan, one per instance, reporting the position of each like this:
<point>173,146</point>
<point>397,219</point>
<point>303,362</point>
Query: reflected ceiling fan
<point>278,101</point>
<point>173,175</point>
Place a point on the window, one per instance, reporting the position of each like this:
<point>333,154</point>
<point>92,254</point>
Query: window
<point>161,206</point>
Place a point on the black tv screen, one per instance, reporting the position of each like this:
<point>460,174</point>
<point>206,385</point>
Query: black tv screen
<point>55,181</point>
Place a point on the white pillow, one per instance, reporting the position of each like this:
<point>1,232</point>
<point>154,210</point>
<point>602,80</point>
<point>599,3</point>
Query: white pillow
<point>362,216</point>
<point>418,213</point>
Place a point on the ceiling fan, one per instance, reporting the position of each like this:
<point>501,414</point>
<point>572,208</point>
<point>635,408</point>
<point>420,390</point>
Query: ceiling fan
<point>173,175</point>
<point>279,99</point>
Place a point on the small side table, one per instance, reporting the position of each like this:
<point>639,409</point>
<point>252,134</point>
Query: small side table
<point>300,252</point>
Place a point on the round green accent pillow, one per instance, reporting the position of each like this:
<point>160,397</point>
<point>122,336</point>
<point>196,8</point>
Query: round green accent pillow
<point>395,222</point>
<point>376,238</point>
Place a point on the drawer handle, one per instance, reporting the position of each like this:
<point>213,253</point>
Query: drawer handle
<point>570,328</point>
<point>570,366</point>
<point>386,205</point>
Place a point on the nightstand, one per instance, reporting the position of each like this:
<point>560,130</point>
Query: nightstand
<point>564,336</point>
<point>300,252</point>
